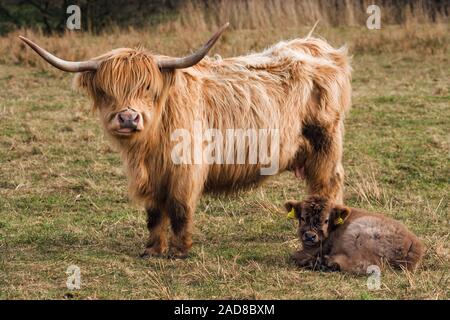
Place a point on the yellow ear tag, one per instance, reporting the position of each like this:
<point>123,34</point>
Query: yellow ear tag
<point>291,214</point>
<point>339,221</point>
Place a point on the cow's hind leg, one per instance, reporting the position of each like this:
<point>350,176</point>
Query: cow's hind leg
<point>341,262</point>
<point>181,203</point>
<point>157,223</point>
<point>323,167</point>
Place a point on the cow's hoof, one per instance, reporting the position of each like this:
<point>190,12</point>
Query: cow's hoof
<point>151,252</point>
<point>331,265</point>
<point>177,254</point>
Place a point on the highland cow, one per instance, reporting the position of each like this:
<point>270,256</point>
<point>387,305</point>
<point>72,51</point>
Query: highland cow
<point>300,88</point>
<point>336,237</point>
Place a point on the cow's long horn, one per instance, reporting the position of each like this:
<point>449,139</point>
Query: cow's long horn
<point>185,62</point>
<point>69,66</point>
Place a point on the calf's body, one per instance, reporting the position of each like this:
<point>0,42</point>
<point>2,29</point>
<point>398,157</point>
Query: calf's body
<point>372,239</point>
<point>351,239</point>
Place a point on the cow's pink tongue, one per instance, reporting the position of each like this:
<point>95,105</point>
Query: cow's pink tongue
<point>299,172</point>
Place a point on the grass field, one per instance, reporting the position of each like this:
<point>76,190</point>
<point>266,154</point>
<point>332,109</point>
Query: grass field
<point>63,197</point>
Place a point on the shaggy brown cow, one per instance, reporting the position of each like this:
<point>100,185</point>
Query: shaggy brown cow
<point>349,239</point>
<point>299,87</point>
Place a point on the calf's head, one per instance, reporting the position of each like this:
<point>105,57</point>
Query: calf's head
<point>127,86</point>
<point>317,218</point>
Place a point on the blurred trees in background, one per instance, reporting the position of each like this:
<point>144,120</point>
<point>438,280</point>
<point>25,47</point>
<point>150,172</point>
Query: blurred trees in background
<point>50,16</point>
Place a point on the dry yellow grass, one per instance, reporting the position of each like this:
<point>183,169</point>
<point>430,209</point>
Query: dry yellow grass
<point>426,39</point>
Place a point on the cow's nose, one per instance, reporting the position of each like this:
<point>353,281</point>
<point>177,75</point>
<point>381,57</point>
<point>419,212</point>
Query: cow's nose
<point>310,236</point>
<point>128,119</point>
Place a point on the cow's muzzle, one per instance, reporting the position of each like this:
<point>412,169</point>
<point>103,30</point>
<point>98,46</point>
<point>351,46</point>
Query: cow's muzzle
<point>129,121</point>
<point>310,238</point>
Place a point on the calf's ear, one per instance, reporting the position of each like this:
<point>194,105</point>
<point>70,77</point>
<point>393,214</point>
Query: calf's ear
<point>293,208</point>
<point>339,214</point>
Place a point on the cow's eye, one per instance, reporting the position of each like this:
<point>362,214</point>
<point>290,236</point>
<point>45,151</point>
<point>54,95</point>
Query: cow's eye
<point>326,221</point>
<point>148,87</point>
<point>302,219</point>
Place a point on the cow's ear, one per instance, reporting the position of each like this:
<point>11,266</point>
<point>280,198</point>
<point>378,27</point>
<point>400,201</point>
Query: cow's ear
<point>294,209</point>
<point>168,80</point>
<point>339,214</point>
<point>82,81</point>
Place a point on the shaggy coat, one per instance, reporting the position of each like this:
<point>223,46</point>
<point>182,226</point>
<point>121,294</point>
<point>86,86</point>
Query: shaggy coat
<point>349,239</point>
<point>300,87</point>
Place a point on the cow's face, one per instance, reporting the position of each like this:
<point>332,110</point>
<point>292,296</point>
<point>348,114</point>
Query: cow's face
<point>127,86</point>
<point>126,89</point>
<point>317,219</point>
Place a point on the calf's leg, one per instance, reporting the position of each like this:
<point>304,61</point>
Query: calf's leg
<point>351,264</point>
<point>306,259</point>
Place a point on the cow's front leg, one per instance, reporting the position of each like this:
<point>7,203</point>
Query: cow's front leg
<point>180,215</point>
<point>157,222</point>
<point>306,259</point>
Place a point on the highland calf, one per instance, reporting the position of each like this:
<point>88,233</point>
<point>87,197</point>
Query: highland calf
<point>300,88</point>
<point>336,237</point>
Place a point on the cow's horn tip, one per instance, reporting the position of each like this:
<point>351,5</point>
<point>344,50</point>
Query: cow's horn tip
<point>26,40</point>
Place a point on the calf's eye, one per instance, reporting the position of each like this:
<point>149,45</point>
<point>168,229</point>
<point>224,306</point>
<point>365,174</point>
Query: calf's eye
<point>326,221</point>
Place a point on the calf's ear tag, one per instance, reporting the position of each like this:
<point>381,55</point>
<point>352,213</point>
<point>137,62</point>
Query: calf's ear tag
<point>291,214</point>
<point>339,221</point>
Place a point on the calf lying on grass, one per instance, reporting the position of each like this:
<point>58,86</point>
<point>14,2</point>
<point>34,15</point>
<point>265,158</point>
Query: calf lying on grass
<point>336,237</point>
